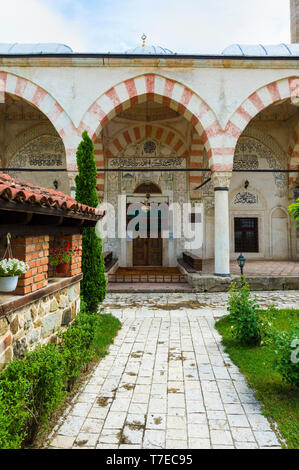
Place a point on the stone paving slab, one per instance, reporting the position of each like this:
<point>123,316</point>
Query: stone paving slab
<point>167,383</point>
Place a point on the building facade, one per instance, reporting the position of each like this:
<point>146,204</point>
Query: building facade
<point>151,109</point>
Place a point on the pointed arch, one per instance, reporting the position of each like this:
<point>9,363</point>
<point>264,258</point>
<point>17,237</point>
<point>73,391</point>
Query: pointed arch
<point>136,133</point>
<point>48,105</point>
<point>152,87</point>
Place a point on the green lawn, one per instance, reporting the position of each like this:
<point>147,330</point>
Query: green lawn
<point>281,401</point>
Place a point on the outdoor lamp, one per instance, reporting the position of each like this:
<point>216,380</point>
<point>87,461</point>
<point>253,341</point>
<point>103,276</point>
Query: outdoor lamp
<point>241,262</point>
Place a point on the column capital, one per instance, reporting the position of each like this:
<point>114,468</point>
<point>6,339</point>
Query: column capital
<point>221,180</point>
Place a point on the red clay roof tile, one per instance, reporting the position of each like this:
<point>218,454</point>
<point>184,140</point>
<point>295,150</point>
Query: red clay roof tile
<point>12,189</point>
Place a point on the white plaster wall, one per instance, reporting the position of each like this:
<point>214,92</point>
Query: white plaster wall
<point>224,89</point>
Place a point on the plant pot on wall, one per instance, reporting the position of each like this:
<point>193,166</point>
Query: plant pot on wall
<point>8,283</point>
<point>62,268</point>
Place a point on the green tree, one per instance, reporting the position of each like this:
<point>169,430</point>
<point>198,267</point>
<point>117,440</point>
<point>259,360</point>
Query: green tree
<point>94,284</point>
<point>294,211</point>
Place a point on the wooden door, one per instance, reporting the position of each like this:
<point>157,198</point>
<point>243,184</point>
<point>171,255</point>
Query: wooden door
<point>154,251</point>
<point>140,251</point>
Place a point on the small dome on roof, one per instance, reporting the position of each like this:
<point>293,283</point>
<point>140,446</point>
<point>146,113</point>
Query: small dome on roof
<point>261,50</point>
<point>150,50</point>
<point>47,48</point>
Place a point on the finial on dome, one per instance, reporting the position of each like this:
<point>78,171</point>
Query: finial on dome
<point>143,37</point>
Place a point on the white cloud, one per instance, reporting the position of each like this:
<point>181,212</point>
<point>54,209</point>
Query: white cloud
<point>191,26</point>
<point>33,21</point>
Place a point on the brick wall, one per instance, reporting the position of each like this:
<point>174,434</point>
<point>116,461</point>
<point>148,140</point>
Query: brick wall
<point>61,242</point>
<point>35,252</point>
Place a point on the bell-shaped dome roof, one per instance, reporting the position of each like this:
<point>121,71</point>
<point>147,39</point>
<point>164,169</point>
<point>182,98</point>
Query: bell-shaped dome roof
<point>262,50</point>
<point>46,48</point>
<point>149,49</point>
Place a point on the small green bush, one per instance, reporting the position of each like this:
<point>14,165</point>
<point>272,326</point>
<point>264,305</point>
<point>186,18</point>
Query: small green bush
<point>287,355</point>
<point>77,345</point>
<point>31,389</point>
<point>294,211</point>
<point>244,313</point>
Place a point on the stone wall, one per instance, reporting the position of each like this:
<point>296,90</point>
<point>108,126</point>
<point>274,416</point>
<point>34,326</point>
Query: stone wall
<point>37,322</point>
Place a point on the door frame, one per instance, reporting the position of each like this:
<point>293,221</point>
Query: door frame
<point>127,247</point>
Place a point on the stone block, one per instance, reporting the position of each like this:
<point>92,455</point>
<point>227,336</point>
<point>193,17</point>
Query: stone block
<point>63,300</point>
<point>66,317</point>
<point>50,324</point>
<point>33,336</point>
<point>4,326</point>
<point>72,293</point>
<point>34,312</point>
<point>53,305</point>
<point>20,348</point>
<point>14,325</point>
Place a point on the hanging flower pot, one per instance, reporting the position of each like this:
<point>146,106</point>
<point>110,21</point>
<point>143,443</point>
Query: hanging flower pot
<point>62,268</point>
<point>10,270</point>
<point>8,284</point>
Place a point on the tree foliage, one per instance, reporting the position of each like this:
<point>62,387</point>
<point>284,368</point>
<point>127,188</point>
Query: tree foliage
<point>93,286</point>
<point>294,211</point>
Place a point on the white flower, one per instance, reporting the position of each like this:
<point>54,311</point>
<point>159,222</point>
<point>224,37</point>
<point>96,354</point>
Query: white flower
<point>12,267</point>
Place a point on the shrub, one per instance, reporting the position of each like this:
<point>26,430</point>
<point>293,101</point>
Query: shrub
<point>287,355</point>
<point>294,211</point>
<point>77,345</point>
<point>244,314</point>
<point>93,286</point>
<point>32,388</point>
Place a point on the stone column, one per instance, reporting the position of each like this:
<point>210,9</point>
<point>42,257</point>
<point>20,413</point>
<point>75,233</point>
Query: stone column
<point>221,181</point>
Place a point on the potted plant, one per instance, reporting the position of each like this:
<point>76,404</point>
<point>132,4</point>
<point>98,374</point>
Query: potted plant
<point>10,270</point>
<point>61,258</point>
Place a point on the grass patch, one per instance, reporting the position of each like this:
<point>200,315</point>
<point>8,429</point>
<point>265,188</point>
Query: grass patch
<point>281,401</point>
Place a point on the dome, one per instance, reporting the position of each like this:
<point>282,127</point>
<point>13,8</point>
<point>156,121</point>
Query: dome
<point>149,50</point>
<point>262,50</point>
<point>46,48</point>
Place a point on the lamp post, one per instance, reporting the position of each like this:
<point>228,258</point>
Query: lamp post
<point>241,262</point>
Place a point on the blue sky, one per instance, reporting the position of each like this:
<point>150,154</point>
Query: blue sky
<point>184,26</point>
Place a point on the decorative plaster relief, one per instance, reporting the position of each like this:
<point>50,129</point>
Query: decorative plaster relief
<point>250,152</point>
<point>46,151</point>
<point>245,197</point>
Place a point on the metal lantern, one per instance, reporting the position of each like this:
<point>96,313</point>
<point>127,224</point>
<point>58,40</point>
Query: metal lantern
<point>241,262</point>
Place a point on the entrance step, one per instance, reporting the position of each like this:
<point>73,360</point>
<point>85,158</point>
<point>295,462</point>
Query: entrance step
<point>158,288</point>
<point>150,275</point>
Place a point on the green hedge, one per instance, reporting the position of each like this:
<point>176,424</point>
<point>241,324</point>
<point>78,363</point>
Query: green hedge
<point>31,389</point>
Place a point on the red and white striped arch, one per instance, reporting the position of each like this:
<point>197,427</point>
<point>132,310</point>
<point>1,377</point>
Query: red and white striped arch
<point>267,95</point>
<point>41,99</point>
<point>153,87</point>
<point>136,133</point>
<point>196,161</point>
<point>99,158</point>
<point>294,157</point>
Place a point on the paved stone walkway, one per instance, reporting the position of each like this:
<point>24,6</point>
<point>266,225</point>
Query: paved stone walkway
<point>167,382</point>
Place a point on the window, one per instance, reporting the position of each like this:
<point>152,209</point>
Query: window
<point>246,235</point>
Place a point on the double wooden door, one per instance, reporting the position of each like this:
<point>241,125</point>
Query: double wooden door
<point>147,251</point>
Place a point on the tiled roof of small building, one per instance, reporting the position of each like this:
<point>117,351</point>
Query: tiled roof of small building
<point>19,191</point>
